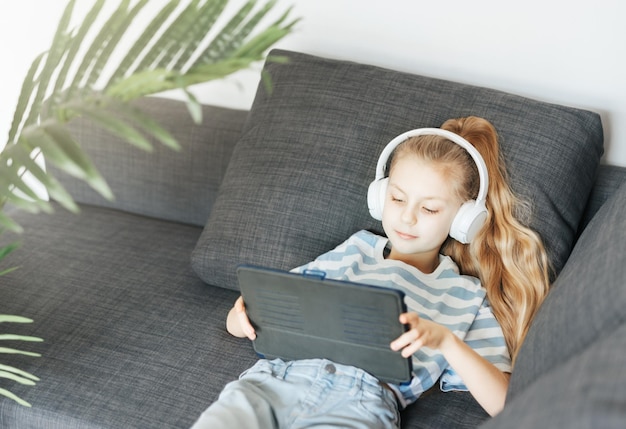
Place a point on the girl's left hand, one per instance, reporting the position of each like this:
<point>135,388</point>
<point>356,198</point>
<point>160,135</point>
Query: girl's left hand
<point>421,333</point>
<point>483,379</point>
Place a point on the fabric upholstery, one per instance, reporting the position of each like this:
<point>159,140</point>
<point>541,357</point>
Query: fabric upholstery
<point>608,180</point>
<point>175,185</point>
<point>586,304</point>
<point>586,390</point>
<point>133,339</point>
<point>439,410</point>
<point>297,181</point>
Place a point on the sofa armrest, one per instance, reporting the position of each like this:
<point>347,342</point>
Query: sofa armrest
<point>179,186</point>
<point>608,180</point>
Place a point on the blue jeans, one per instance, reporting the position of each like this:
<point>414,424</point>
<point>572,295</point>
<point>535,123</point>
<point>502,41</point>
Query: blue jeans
<point>301,394</point>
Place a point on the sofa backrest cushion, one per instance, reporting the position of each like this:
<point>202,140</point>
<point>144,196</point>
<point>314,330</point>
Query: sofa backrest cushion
<point>585,305</point>
<point>297,181</point>
<point>179,186</point>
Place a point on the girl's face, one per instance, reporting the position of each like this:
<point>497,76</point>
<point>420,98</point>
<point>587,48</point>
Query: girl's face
<point>418,212</point>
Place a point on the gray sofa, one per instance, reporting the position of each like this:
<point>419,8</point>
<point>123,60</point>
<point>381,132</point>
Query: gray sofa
<point>131,295</point>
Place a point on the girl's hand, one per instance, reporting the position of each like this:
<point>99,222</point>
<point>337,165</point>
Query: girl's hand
<point>421,333</point>
<point>487,383</point>
<point>238,323</point>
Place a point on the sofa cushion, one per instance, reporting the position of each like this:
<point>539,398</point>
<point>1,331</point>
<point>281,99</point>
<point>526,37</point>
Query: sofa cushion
<point>608,180</point>
<point>132,337</point>
<point>438,410</point>
<point>297,181</point>
<point>587,390</point>
<point>166,184</point>
<point>586,303</point>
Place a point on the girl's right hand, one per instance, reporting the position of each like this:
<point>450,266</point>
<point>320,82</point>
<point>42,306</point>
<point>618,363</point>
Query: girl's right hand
<point>238,323</point>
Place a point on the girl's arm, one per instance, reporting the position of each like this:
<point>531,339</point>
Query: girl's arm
<point>237,322</point>
<point>486,383</point>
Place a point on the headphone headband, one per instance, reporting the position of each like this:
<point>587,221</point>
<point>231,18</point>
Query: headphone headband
<point>471,215</point>
<point>478,159</point>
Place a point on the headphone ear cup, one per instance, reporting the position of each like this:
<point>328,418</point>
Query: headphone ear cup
<point>376,194</point>
<point>468,221</point>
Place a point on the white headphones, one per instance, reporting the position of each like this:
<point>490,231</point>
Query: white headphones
<point>471,215</point>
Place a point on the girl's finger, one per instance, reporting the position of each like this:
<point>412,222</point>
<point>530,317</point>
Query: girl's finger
<point>403,340</point>
<point>244,322</point>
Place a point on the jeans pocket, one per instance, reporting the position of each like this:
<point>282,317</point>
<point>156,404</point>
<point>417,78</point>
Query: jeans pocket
<point>261,367</point>
<point>381,405</point>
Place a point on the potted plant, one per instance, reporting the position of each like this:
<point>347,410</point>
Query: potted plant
<point>172,51</point>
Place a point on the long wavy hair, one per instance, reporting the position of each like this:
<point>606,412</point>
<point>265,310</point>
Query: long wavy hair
<point>508,257</point>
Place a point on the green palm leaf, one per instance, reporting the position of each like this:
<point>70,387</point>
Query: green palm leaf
<point>206,17</point>
<point>157,61</point>
<point>163,49</point>
<point>138,119</point>
<point>28,86</point>
<point>83,77</point>
<point>142,43</point>
<point>53,58</point>
<point>117,29</point>
<point>72,50</point>
<point>15,377</point>
<point>6,250</point>
<point>221,43</point>
<point>9,372</point>
<point>57,192</point>
<point>19,372</point>
<point>6,223</point>
<point>16,398</point>
<point>176,49</point>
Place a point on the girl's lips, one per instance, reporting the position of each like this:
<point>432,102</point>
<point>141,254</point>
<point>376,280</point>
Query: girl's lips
<point>405,236</point>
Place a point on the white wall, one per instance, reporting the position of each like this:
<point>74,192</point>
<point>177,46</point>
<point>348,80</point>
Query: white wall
<point>569,52</point>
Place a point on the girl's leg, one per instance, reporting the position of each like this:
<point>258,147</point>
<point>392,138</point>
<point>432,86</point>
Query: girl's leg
<point>240,405</point>
<point>258,400</point>
<point>302,394</point>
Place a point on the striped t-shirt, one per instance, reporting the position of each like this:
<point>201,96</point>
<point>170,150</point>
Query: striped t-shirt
<point>444,296</point>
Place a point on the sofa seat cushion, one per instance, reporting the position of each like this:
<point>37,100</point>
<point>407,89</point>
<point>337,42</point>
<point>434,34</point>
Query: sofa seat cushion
<point>444,410</point>
<point>133,339</point>
<point>297,182</point>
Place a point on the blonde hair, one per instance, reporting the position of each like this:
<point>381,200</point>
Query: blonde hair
<point>508,257</point>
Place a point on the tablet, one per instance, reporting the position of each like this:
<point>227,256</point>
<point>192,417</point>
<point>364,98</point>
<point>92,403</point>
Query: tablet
<point>306,316</point>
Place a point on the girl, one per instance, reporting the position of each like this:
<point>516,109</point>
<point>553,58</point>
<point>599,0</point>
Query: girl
<point>470,305</point>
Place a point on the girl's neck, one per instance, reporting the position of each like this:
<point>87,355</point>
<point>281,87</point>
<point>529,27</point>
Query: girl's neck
<point>427,263</point>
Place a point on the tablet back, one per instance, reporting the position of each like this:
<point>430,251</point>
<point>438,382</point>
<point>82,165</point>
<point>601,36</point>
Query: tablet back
<point>306,316</point>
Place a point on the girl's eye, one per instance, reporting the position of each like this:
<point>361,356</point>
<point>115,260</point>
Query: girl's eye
<point>396,199</point>
<point>430,211</point>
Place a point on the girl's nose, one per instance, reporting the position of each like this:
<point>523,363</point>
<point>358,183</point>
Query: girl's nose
<point>408,217</point>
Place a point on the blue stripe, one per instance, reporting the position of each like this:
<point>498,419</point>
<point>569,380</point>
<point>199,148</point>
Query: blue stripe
<point>366,266</point>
